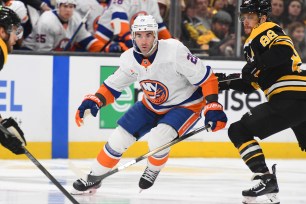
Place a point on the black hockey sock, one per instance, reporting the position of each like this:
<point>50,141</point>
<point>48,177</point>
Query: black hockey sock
<point>252,155</point>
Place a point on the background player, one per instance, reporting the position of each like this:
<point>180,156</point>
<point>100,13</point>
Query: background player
<point>55,28</point>
<point>10,31</point>
<point>273,65</point>
<point>176,85</point>
<point>114,24</point>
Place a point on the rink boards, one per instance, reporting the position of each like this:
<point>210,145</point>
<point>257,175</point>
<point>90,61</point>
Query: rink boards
<point>43,93</point>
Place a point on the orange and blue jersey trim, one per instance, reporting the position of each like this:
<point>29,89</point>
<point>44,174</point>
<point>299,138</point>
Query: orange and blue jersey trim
<point>104,34</point>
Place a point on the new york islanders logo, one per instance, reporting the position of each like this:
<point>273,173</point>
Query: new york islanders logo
<point>155,91</point>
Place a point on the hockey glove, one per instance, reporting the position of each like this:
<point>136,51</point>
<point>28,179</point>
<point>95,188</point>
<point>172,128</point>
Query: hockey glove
<point>13,139</point>
<point>90,103</point>
<point>215,116</point>
<point>224,81</point>
<point>250,73</point>
<point>113,47</point>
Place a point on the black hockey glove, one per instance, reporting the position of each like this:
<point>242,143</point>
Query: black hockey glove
<point>12,138</point>
<point>250,73</point>
<point>224,81</point>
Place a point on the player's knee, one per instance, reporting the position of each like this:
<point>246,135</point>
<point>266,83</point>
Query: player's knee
<point>161,135</point>
<point>120,140</point>
<point>238,134</point>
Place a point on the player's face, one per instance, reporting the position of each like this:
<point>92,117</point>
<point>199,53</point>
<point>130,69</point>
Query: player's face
<point>65,11</point>
<point>9,39</point>
<point>144,40</point>
<point>249,20</point>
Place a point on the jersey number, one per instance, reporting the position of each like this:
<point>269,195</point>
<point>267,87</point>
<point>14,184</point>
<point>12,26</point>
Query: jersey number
<point>266,39</point>
<point>192,58</point>
<point>41,38</point>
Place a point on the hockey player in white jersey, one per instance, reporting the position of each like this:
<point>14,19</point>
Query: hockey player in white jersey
<point>115,23</point>
<point>96,10</point>
<point>55,28</point>
<point>177,86</point>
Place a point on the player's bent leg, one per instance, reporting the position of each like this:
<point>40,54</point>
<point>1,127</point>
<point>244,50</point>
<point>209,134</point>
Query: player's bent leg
<point>253,156</point>
<point>108,157</point>
<point>158,136</point>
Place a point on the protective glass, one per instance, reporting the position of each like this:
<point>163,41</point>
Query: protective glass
<point>248,16</point>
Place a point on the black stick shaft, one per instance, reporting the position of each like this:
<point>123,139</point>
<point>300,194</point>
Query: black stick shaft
<point>54,181</point>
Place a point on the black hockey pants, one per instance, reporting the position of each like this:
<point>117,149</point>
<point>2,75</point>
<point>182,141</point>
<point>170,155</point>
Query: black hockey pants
<point>274,116</point>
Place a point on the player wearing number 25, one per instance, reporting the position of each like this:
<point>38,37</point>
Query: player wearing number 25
<point>177,86</point>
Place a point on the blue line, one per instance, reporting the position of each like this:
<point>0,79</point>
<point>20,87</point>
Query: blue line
<point>60,107</point>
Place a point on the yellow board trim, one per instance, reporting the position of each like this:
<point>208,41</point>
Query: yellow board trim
<point>86,150</point>
<point>41,150</point>
<point>78,150</point>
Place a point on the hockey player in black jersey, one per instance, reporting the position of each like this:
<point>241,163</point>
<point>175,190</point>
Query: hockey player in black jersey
<point>273,65</point>
<point>11,136</point>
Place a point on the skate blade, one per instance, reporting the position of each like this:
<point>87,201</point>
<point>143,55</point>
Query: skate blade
<point>270,198</point>
<point>88,192</point>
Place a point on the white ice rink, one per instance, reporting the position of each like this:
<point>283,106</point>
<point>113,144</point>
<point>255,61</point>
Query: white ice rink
<point>182,181</point>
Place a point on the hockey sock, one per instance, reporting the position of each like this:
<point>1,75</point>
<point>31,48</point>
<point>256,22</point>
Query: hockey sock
<point>106,160</point>
<point>157,162</point>
<point>252,155</point>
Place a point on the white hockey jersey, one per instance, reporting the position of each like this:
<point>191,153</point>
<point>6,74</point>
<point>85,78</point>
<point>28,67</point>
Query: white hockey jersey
<point>50,34</point>
<point>120,12</point>
<point>172,79</point>
<point>96,10</point>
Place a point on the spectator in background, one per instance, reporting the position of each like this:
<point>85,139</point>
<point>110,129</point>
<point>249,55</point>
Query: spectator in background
<point>293,12</point>
<point>55,30</point>
<point>192,27</point>
<point>217,5</point>
<point>219,41</point>
<point>296,31</point>
<point>230,8</point>
<point>278,8</point>
<point>203,12</point>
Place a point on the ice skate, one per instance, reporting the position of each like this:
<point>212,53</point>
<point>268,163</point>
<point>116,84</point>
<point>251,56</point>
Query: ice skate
<point>88,186</point>
<point>265,192</point>
<point>147,179</point>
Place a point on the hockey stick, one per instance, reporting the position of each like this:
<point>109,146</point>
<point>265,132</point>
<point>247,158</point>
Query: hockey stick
<point>36,162</point>
<point>228,78</point>
<point>54,181</point>
<point>77,30</point>
<point>138,159</point>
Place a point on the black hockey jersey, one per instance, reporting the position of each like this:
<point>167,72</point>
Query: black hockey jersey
<point>273,51</point>
<point>3,53</point>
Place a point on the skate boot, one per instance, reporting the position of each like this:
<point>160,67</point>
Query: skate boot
<point>267,188</point>
<point>147,179</point>
<point>88,186</point>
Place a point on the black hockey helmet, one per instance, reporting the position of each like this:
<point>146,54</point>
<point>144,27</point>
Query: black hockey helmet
<point>8,19</point>
<point>262,7</point>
